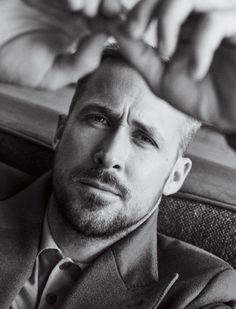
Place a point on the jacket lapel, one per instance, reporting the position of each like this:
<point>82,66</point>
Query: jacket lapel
<point>125,275</point>
<point>20,228</point>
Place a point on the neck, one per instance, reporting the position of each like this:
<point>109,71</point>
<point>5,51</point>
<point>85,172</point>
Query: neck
<point>77,246</point>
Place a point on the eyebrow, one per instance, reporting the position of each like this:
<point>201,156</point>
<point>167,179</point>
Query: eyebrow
<point>152,131</point>
<point>99,108</point>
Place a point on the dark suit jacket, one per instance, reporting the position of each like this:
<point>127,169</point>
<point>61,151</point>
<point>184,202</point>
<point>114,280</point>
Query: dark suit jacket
<point>143,270</point>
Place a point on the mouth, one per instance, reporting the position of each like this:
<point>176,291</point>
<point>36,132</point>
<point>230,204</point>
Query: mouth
<point>100,187</point>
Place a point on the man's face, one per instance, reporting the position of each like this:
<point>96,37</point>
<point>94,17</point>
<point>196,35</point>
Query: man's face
<point>117,152</point>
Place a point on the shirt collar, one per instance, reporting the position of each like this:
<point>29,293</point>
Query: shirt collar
<point>47,241</point>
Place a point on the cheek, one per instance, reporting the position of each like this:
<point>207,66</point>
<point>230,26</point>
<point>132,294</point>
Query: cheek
<point>150,174</point>
<point>76,147</point>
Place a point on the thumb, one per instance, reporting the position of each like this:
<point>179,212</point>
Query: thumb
<point>67,69</point>
<point>195,98</point>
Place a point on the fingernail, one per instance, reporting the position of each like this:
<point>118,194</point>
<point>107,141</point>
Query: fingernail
<point>162,52</point>
<point>111,9</point>
<point>76,4</point>
<point>198,75</point>
<point>88,12</point>
<point>165,59</point>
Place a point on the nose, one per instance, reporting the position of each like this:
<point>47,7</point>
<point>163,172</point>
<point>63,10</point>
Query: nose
<point>113,151</point>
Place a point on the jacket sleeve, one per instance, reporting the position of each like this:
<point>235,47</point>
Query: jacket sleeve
<point>218,293</point>
<point>203,290</point>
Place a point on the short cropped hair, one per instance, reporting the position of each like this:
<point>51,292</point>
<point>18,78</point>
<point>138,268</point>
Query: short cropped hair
<point>111,52</point>
<point>188,131</point>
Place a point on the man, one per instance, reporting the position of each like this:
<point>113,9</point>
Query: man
<point>90,241</point>
<point>95,221</point>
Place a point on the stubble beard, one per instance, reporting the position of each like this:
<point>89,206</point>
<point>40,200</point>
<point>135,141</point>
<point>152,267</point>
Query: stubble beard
<point>84,212</point>
<point>87,213</point>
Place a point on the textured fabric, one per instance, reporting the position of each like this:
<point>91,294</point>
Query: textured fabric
<point>201,224</point>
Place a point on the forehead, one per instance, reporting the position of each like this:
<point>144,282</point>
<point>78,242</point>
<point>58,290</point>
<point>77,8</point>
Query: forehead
<point>119,87</point>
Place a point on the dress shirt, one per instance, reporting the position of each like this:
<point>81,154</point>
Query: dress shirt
<point>53,276</point>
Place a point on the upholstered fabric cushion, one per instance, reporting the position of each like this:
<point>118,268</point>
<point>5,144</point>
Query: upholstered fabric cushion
<point>204,212</point>
<point>202,224</point>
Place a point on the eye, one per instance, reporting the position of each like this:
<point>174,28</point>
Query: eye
<point>143,139</point>
<point>98,119</point>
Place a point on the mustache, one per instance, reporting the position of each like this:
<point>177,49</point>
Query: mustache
<point>102,176</point>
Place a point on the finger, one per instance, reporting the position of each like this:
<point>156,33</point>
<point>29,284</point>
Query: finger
<point>75,5</point>
<point>139,18</point>
<point>172,14</point>
<point>178,88</point>
<point>197,99</point>
<point>142,57</point>
<point>68,69</point>
<point>212,29</point>
<point>50,7</point>
<point>111,8</point>
<point>91,7</point>
<point>210,5</point>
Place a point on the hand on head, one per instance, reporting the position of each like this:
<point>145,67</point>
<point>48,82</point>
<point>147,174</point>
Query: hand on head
<point>52,45</point>
<point>190,69</point>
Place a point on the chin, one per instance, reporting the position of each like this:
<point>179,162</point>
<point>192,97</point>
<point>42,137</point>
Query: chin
<point>96,219</point>
<point>92,215</point>
<point>95,224</point>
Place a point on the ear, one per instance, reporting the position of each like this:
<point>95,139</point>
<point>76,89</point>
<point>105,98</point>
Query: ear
<point>61,122</point>
<point>176,179</point>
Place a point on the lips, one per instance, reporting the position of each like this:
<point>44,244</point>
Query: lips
<point>100,186</point>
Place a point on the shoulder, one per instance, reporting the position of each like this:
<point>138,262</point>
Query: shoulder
<point>177,252</point>
<point>203,278</point>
